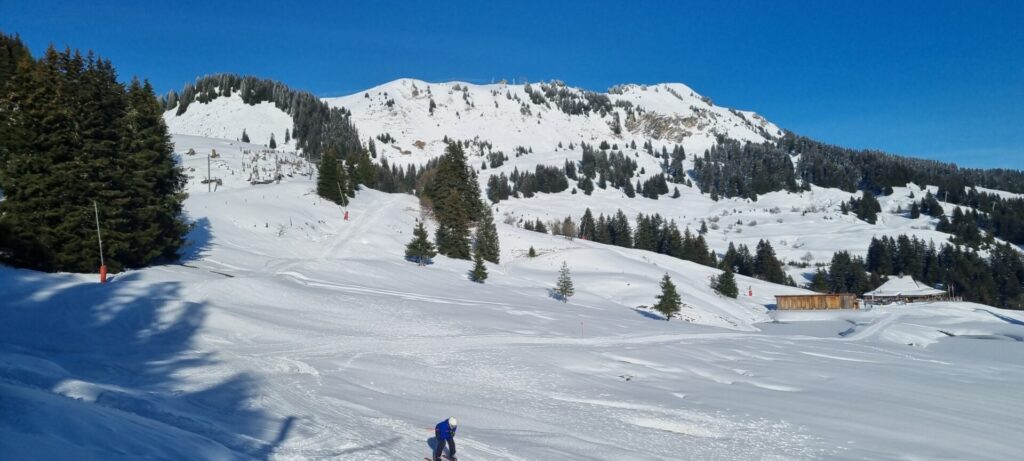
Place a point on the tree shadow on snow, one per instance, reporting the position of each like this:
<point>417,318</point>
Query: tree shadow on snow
<point>649,314</point>
<point>127,348</point>
<point>197,241</point>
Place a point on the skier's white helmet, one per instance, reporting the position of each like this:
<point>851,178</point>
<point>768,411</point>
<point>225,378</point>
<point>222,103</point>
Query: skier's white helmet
<point>453,422</point>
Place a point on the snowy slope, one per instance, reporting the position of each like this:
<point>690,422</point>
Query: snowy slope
<point>289,333</point>
<point>226,117</point>
<point>673,114</point>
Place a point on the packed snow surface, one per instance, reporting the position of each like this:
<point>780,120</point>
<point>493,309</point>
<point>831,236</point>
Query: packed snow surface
<point>290,333</point>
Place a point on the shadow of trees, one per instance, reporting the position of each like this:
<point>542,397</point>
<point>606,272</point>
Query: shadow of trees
<point>129,347</point>
<point>649,314</point>
<point>197,241</point>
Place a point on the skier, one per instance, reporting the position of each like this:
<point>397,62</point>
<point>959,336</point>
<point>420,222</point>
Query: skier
<point>445,432</point>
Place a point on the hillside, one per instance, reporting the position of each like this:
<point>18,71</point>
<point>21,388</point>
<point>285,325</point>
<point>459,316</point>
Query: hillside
<point>544,124</point>
<point>227,117</point>
<point>506,116</point>
<point>290,333</point>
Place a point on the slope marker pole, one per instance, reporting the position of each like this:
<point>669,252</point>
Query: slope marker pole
<point>99,238</point>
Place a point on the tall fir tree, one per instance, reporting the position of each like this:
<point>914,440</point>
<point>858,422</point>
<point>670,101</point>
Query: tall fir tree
<point>563,287</point>
<point>452,234</point>
<point>819,282</point>
<point>329,183</point>
<point>587,227</point>
<point>420,249</point>
<point>157,185</point>
<point>12,52</point>
<point>455,196</point>
<point>487,237</point>
<point>245,136</point>
<point>273,143</point>
<point>479,272</point>
<point>669,301</point>
<point>766,265</point>
<point>71,135</point>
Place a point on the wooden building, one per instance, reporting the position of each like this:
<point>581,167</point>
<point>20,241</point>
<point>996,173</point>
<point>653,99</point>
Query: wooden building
<point>816,301</point>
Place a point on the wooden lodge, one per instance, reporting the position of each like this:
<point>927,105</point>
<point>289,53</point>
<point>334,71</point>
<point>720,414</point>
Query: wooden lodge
<point>816,301</point>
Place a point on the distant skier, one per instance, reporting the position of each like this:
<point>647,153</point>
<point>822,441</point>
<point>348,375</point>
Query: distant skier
<point>444,432</point>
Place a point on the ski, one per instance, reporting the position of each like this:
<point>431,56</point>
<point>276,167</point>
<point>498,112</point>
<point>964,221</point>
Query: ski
<point>445,457</point>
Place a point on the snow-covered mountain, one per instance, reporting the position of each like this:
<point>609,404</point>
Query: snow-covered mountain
<point>547,121</point>
<point>419,115</point>
<point>508,116</point>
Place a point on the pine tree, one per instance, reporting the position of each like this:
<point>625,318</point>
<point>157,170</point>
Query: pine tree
<point>479,272</point>
<point>669,301</point>
<point>487,238</point>
<point>245,136</point>
<point>12,52</point>
<point>532,253</point>
<point>455,196</point>
<point>287,136</point>
<point>766,265</point>
<point>329,179</point>
<point>563,287</point>
<point>587,226</point>
<point>71,134</point>
<point>539,226</point>
<point>725,284</point>
<point>156,198</point>
<point>420,249</point>
<point>273,143</point>
<point>819,282</point>
<point>452,234</point>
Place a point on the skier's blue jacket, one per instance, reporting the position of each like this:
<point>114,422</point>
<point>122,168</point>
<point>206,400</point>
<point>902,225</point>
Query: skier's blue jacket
<point>444,430</point>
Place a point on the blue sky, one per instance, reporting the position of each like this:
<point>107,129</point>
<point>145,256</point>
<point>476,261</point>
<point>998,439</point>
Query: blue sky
<point>935,79</point>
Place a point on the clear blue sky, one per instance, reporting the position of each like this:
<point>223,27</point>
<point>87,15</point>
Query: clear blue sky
<point>940,79</point>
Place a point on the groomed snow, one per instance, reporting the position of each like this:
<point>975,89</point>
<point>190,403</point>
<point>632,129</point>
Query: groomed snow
<point>289,333</point>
